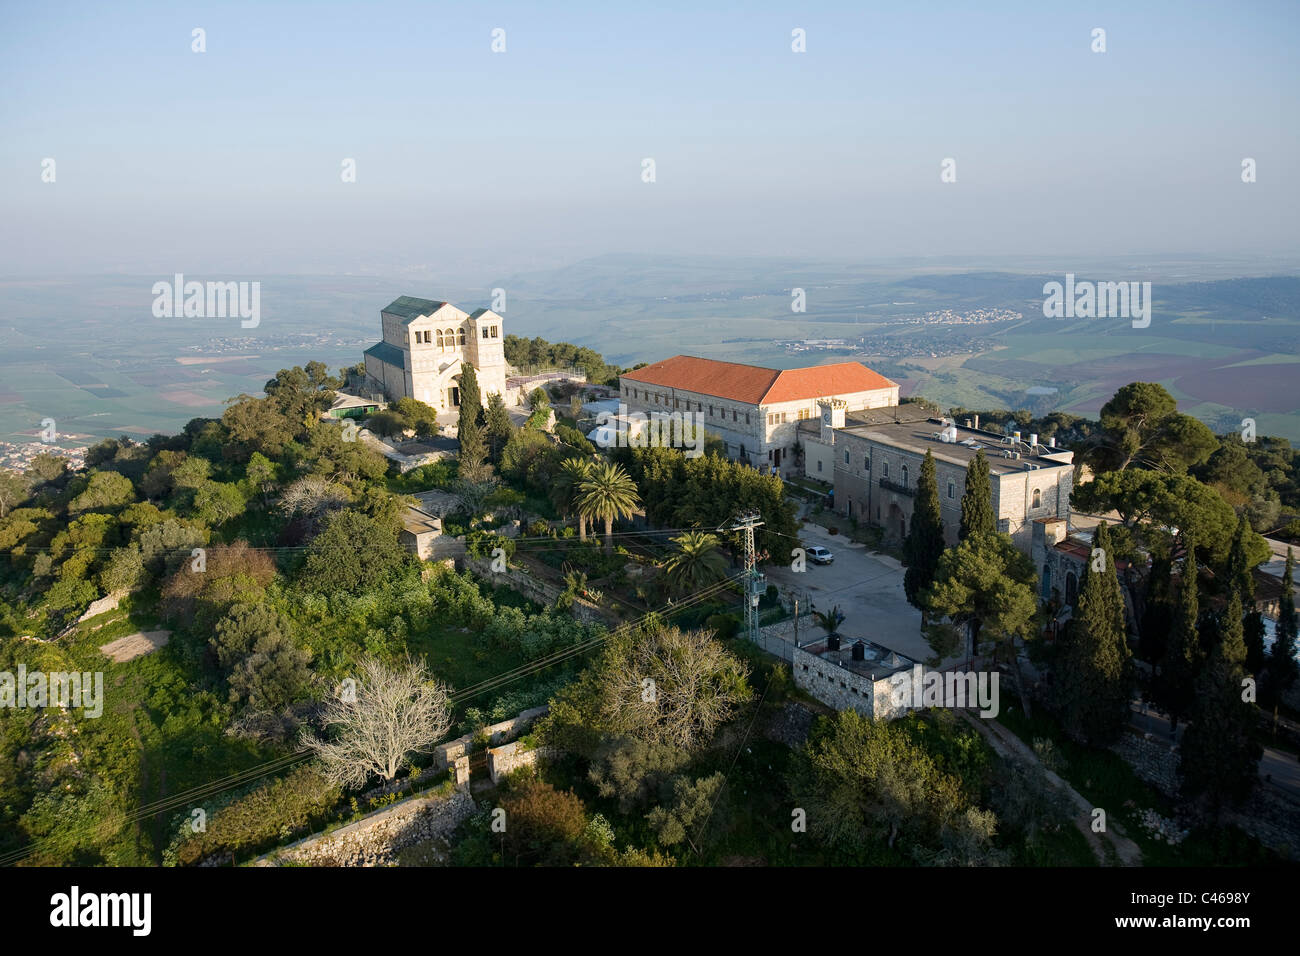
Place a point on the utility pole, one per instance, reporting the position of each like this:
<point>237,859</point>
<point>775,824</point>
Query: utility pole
<point>753,580</point>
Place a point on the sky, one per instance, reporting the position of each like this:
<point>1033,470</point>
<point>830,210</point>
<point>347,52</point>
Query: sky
<point>469,161</point>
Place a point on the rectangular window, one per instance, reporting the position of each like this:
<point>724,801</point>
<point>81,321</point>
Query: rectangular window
<point>819,465</point>
<point>846,458</point>
<point>885,470</point>
<point>734,416</point>
<point>951,489</point>
<point>746,418</point>
<point>485,332</point>
<point>866,463</point>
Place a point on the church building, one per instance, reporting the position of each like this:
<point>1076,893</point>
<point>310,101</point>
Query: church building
<point>424,345</point>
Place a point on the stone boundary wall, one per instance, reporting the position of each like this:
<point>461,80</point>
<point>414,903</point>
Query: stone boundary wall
<point>533,588</point>
<point>376,839</point>
<point>447,754</point>
<point>503,760</point>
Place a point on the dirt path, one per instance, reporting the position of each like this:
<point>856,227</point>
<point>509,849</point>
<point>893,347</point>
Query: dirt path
<point>1109,846</point>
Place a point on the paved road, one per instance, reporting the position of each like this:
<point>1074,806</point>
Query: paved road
<point>1276,766</point>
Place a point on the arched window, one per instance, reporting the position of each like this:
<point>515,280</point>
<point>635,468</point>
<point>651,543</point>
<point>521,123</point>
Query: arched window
<point>460,337</point>
<point>904,476</point>
<point>440,338</point>
<point>451,338</point>
<point>1038,498</point>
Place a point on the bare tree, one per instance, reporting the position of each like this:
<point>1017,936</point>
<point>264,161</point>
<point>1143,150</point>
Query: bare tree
<point>313,496</point>
<point>378,722</point>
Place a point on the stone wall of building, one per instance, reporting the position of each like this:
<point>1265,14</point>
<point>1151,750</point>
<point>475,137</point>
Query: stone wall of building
<point>834,686</point>
<point>861,464</point>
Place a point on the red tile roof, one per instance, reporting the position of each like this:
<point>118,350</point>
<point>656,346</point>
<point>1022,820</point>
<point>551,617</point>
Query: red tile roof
<point>759,386</point>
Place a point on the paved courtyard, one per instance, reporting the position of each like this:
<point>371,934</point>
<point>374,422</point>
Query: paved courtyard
<point>867,586</point>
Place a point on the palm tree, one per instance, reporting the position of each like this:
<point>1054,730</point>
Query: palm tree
<point>697,562</point>
<point>829,621</point>
<point>565,491</point>
<point>607,493</point>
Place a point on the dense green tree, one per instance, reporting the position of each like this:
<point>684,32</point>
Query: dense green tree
<point>14,490</point>
<point>1220,757</point>
<point>354,552</point>
<point>216,502</point>
<point>987,584</point>
<point>47,469</point>
<point>1141,425</point>
<point>924,543</point>
<point>1176,684</point>
<point>544,826</point>
<point>261,474</point>
<point>416,415</point>
<point>104,489</point>
<point>868,788</point>
<point>977,500</point>
<point>1150,504</point>
<point>694,803</point>
<point>530,458</point>
<point>1094,676</point>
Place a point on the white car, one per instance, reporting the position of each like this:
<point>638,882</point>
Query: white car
<point>820,555</point>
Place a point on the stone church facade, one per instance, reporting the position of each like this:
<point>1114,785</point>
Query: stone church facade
<point>424,345</point>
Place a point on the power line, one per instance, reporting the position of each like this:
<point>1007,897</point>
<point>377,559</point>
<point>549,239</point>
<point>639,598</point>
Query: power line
<point>244,777</point>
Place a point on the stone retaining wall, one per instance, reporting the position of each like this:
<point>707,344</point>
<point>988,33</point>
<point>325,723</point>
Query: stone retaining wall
<point>376,839</point>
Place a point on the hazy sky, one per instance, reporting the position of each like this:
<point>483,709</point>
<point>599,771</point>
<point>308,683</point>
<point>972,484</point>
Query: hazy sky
<point>229,161</point>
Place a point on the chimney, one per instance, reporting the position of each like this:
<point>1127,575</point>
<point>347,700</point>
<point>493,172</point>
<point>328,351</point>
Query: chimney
<point>1051,442</point>
<point>968,423</point>
<point>977,423</point>
<point>833,642</point>
<point>859,651</point>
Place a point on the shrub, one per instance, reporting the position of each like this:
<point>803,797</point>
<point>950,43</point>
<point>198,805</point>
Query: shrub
<point>261,819</point>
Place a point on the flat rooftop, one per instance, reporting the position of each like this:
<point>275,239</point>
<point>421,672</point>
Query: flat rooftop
<point>417,521</point>
<point>920,437</point>
<point>879,661</point>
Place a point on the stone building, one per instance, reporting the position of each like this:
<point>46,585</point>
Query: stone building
<point>424,345</point>
<point>873,461</point>
<point>861,676</point>
<point>755,411</point>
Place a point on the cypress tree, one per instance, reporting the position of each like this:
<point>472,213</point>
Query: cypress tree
<point>1282,667</point>
<point>977,500</point>
<point>498,426</point>
<point>1220,758</point>
<point>473,447</point>
<point>923,545</point>
<point>1242,581</point>
<point>1182,657</point>
<point>1095,675</point>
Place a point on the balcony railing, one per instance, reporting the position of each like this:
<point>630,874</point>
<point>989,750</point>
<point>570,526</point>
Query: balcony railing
<point>902,489</point>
